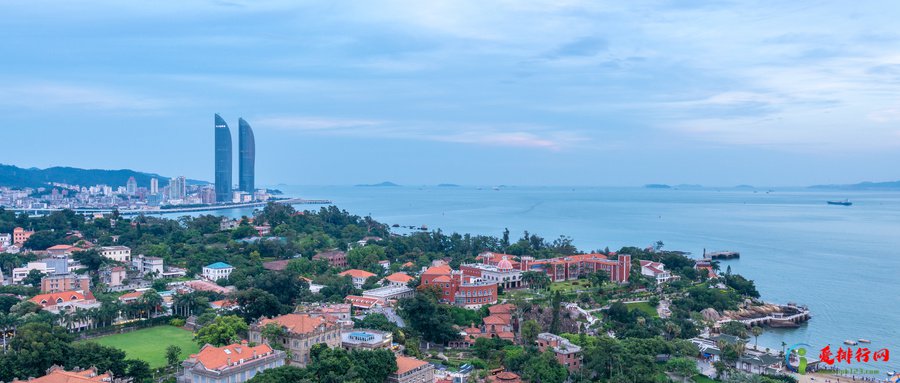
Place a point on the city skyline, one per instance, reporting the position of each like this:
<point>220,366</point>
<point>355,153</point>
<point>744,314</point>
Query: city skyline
<point>464,92</point>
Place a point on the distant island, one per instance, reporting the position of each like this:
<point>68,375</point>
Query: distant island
<point>16,177</point>
<point>657,186</point>
<point>448,185</point>
<point>868,185</point>
<point>382,184</point>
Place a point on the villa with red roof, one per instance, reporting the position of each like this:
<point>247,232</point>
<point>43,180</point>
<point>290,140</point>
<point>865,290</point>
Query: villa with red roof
<point>460,289</point>
<point>412,370</point>
<point>302,331</point>
<point>499,324</point>
<point>398,279</point>
<point>358,276</point>
<point>231,363</point>
<point>68,302</point>
<point>656,271</point>
<point>57,374</point>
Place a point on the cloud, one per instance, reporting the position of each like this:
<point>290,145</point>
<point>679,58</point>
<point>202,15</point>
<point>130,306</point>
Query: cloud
<point>585,46</point>
<point>40,95</point>
<point>315,123</point>
<point>505,135</point>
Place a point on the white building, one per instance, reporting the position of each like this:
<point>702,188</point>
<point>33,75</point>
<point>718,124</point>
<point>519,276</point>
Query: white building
<point>117,253</point>
<point>655,270</point>
<point>146,265</point>
<point>20,273</point>
<point>216,271</point>
<point>504,274</point>
<point>386,293</point>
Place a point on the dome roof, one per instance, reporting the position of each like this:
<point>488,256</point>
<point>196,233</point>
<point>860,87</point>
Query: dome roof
<point>504,264</point>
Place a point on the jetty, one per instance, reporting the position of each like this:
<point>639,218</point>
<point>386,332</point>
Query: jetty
<point>720,254</point>
<point>789,315</point>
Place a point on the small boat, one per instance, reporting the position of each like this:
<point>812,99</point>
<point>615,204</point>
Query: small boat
<point>891,373</point>
<point>864,341</point>
<point>845,202</point>
<point>850,342</point>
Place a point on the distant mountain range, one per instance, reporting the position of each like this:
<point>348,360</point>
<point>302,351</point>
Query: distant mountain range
<point>868,185</point>
<point>16,177</point>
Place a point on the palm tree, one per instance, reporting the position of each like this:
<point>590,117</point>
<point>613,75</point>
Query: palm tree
<point>151,300</point>
<point>8,324</point>
<point>756,331</point>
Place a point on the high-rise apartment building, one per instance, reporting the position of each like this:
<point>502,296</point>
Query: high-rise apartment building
<point>130,186</point>
<point>223,160</point>
<point>154,186</point>
<point>178,188</point>
<point>246,157</point>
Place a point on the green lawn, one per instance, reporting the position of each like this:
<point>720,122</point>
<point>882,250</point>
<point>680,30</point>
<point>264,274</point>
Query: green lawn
<point>704,379</point>
<point>570,286</point>
<point>150,344</point>
<point>643,306</point>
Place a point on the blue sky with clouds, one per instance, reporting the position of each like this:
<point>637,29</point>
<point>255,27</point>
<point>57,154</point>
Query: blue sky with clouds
<point>559,92</point>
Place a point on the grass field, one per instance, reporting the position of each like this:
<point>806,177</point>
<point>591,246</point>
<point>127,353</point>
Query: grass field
<point>570,286</point>
<point>150,344</point>
<point>643,306</point>
<point>704,379</point>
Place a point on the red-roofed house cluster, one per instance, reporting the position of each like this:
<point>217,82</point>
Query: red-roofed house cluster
<point>499,324</point>
<point>460,289</point>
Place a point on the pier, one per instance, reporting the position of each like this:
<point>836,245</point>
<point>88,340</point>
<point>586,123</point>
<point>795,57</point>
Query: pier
<point>793,316</point>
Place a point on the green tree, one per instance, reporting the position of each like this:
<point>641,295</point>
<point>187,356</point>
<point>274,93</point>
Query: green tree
<point>222,331</point>
<point>137,370</point>
<point>756,331</point>
<point>33,278</point>
<point>429,318</point>
<point>284,374</point>
<point>686,368</point>
<point>545,369</point>
<point>173,355</point>
<point>530,331</point>
<point>255,303</point>
<point>92,354</point>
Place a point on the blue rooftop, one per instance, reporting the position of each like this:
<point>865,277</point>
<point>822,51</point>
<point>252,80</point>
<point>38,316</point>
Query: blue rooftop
<point>219,265</point>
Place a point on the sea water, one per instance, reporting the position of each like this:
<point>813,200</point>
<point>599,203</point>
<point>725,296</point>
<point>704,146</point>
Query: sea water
<point>842,262</point>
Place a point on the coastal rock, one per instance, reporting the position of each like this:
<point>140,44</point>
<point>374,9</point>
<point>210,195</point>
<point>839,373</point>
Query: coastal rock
<point>710,314</point>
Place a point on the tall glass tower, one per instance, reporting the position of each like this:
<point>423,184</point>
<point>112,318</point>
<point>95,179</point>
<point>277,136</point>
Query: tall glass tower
<point>223,161</point>
<point>246,157</point>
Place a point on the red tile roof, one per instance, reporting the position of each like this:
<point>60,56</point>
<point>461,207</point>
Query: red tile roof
<point>407,364</point>
<point>63,376</point>
<point>438,270</point>
<point>399,277</point>
<point>131,296</point>
<point>495,320</point>
<point>361,302</point>
<point>356,273</point>
<point>218,358</point>
<point>52,299</point>
<point>298,323</point>
<point>276,265</point>
<point>506,308</point>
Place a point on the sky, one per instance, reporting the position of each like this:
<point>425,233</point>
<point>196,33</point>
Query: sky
<point>538,92</point>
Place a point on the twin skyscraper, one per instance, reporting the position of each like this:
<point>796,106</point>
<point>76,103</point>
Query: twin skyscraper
<point>246,159</point>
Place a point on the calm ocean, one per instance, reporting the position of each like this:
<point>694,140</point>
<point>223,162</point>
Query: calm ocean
<point>842,262</point>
